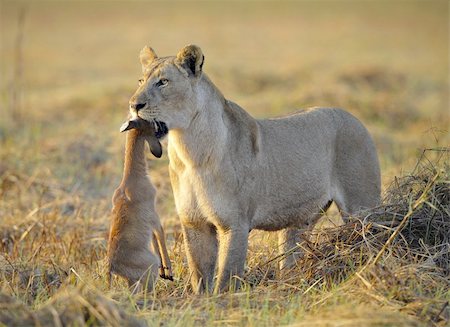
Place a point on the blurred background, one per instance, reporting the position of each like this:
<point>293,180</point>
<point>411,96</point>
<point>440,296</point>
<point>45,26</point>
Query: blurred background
<point>69,68</point>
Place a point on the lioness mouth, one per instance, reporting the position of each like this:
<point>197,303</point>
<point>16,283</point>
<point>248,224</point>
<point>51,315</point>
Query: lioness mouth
<point>152,131</point>
<point>160,127</point>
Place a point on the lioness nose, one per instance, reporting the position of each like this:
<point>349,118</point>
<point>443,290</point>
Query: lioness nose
<point>137,106</point>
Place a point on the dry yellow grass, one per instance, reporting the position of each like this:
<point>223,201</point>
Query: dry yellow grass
<point>61,156</point>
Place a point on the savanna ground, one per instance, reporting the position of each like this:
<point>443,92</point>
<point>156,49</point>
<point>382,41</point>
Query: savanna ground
<point>67,71</point>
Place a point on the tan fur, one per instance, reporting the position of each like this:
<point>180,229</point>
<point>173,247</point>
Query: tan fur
<point>231,173</point>
<point>135,226</point>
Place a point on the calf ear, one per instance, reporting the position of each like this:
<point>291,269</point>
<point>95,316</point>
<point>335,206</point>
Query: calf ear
<point>146,57</point>
<point>191,59</point>
<point>155,146</point>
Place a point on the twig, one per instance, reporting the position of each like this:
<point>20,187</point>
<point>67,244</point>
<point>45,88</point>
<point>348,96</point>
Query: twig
<point>435,319</point>
<point>405,219</point>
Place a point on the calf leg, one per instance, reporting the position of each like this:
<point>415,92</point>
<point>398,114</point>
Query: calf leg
<point>160,239</point>
<point>157,250</point>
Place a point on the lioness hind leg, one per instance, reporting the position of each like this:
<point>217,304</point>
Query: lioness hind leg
<point>289,237</point>
<point>359,195</point>
<point>287,245</point>
<point>356,183</point>
<point>201,249</point>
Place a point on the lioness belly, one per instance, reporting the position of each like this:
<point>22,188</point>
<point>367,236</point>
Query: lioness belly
<point>299,215</point>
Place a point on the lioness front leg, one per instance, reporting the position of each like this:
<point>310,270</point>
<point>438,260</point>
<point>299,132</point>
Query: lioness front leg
<point>201,248</point>
<point>233,245</point>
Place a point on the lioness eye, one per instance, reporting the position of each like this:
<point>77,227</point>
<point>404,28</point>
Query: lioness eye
<point>162,82</point>
<point>141,81</point>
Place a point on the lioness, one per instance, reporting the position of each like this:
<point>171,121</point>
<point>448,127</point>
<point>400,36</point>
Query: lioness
<point>231,173</point>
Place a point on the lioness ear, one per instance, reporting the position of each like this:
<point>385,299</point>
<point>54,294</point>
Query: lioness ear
<point>146,56</point>
<point>191,59</point>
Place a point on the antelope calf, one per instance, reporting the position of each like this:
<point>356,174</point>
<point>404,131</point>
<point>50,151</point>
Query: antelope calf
<point>136,246</point>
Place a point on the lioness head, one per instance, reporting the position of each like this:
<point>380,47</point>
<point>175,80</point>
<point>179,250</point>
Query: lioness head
<point>165,95</point>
